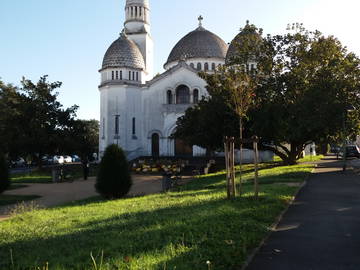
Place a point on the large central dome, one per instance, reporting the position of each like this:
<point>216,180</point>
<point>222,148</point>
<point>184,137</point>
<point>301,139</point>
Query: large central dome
<point>199,43</point>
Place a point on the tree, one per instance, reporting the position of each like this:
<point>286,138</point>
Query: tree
<point>32,118</point>
<point>82,138</point>
<point>309,85</point>
<point>236,85</point>
<point>305,83</point>
<point>113,179</point>
<point>207,123</point>
<point>4,174</point>
<point>10,110</point>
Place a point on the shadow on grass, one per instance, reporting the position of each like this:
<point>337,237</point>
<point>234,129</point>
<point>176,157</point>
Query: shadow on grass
<point>182,230</point>
<point>185,236</point>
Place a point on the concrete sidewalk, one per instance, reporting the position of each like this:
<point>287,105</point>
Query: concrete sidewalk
<point>321,230</point>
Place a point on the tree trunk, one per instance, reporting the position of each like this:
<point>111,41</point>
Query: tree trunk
<point>240,161</point>
<point>256,178</point>
<point>226,149</point>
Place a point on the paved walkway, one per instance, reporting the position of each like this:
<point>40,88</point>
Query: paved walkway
<point>321,230</point>
<point>57,194</point>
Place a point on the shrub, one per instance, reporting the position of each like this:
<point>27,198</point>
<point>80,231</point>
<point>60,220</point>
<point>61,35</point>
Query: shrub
<point>113,179</point>
<point>4,175</point>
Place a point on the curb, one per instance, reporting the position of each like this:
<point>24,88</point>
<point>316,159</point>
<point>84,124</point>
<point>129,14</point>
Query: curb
<point>276,223</point>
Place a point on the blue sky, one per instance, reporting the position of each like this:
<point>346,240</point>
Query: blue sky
<point>67,39</point>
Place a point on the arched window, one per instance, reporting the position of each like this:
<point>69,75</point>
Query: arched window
<point>120,74</point>
<point>155,145</point>
<point>137,76</point>
<point>182,95</point>
<point>192,65</point>
<point>112,75</point>
<point>169,97</point>
<point>117,75</point>
<point>129,75</point>
<point>213,66</point>
<point>198,66</point>
<point>196,96</point>
<point>117,124</point>
<point>103,131</point>
<point>206,66</point>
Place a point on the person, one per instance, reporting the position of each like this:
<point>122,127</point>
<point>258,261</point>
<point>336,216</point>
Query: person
<point>85,164</point>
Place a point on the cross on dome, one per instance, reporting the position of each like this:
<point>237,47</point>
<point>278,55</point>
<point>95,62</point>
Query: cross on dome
<point>200,20</point>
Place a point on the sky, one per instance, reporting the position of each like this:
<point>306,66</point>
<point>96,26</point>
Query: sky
<point>67,39</point>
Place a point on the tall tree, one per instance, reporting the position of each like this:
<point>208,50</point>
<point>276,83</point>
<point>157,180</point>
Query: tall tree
<point>82,138</point>
<point>33,120</point>
<point>310,83</point>
<point>305,83</point>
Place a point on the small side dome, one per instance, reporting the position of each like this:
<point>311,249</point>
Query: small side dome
<point>123,52</point>
<point>144,3</point>
<point>199,43</point>
<point>250,35</point>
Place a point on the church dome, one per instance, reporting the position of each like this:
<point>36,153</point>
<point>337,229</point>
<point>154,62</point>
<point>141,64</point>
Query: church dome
<point>123,52</point>
<point>249,36</point>
<point>144,3</point>
<point>199,43</point>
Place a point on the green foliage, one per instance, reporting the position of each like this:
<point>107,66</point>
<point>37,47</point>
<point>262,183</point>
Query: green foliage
<point>181,230</point>
<point>40,118</point>
<point>4,174</point>
<point>82,138</point>
<point>113,179</point>
<point>310,83</point>
<point>300,93</point>
<point>207,123</point>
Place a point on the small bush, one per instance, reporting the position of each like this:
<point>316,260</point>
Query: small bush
<point>4,175</point>
<point>113,179</point>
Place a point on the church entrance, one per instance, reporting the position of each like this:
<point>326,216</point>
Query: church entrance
<point>182,149</point>
<point>155,145</point>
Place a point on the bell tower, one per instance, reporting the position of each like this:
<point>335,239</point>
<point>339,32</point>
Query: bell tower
<point>137,28</point>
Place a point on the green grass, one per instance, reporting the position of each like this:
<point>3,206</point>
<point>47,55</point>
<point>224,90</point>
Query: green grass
<point>32,177</point>
<point>178,230</point>
<point>311,158</point>
<point>13,199</point>
<point>305,159</point>
<point>45,176</point>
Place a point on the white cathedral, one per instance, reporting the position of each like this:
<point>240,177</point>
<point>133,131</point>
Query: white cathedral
<point>139,111</point>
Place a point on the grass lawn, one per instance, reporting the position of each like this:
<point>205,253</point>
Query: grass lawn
<point>305,159</point>
<point>13,199</point>
<point>32,177</point>
<point>45,176</point>
<point>177,230</point>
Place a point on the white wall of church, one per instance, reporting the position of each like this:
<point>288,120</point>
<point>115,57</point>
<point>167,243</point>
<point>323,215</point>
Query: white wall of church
<point>122,102</point>
<point>146,46</point>
<point>160,117</point>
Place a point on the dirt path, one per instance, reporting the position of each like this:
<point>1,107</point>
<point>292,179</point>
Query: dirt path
<point>57,194</point>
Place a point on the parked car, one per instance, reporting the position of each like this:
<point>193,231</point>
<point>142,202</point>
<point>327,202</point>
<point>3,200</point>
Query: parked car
<point>75,158</point>
<point>58,159</point>
<point>47,160</point>
<point>67,159</point>
<point>19,162</point>
<point>351,151</point>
